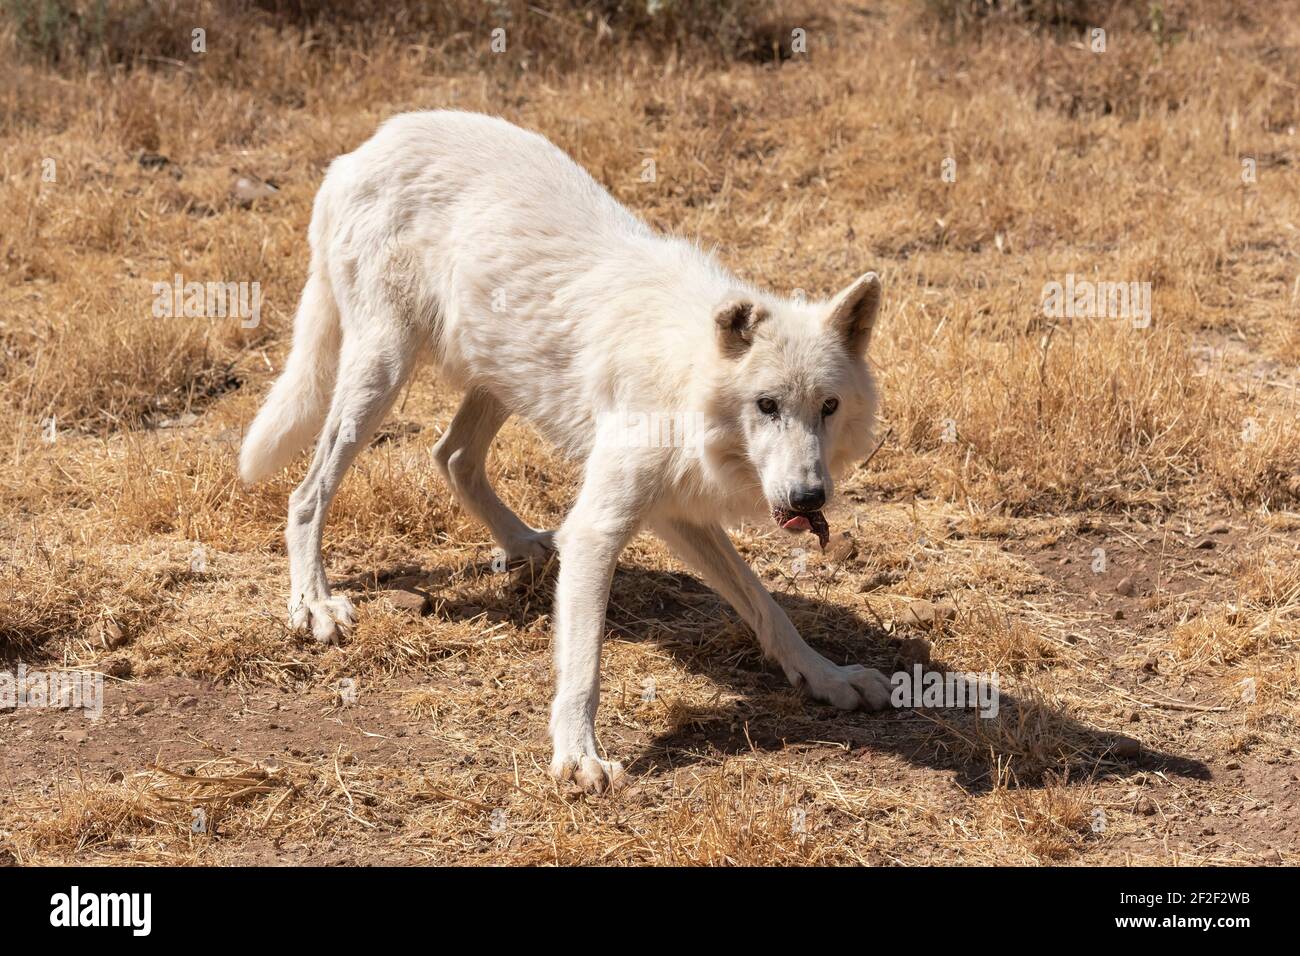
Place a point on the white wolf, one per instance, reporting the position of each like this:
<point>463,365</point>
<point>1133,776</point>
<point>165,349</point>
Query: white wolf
<point>537,293</point>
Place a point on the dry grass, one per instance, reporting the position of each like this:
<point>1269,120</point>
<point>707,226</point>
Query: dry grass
<point>1018,442</point>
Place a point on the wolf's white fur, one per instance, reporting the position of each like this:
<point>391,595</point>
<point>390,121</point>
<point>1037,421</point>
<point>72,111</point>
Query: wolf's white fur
<point>485,246</point>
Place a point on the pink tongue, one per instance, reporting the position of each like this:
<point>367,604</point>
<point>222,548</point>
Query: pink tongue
<point>797,523</point>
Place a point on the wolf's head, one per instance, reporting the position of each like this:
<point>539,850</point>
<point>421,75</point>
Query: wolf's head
<point>798,396</point>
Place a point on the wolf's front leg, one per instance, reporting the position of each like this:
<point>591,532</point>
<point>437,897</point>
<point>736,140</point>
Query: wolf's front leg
<point>708,549</point>
<point>604,517</point>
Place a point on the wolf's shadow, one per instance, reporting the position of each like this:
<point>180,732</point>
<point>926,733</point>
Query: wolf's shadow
<point>1031,735</point>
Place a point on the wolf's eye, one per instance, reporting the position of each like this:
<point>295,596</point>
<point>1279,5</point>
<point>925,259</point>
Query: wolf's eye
<point>829,406</point>
<point>767,406</point>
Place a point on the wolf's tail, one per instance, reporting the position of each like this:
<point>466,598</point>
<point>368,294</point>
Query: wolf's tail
<point>295,409</point>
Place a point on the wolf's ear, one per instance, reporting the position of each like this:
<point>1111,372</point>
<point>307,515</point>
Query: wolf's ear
<point>853,312</point>
<point>736,321</point>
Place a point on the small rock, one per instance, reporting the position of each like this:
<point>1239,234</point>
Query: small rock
<point>1219,527</point>
<point>180,421</point>
<point>1151,664</point>
<point>1126,587</point>
<point>248,189</point>
<point>1118,615</point>
<point>411,602</point>
<point>119,667</point>
<point>110,634</point>
<point>408,582</point>
<point>1123,746</point>
<point>918,613</point>
<point>142,708</point>
<point>1205,544</point>
<point>881,579</point>
<point>915,650</point>
<point>1145,806</point>
<point>841,548</point>
<point>1233,764</point>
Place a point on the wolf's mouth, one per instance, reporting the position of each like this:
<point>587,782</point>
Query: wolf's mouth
<point>796,521</point>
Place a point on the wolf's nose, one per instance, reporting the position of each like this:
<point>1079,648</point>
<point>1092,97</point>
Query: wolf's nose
<point>808,499</point>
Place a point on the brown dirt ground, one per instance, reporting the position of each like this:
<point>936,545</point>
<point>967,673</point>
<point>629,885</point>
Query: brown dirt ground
<point>1203,787</point>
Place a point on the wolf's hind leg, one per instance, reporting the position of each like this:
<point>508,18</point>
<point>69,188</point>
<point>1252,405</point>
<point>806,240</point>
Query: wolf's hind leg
<point>461,454</point>
<point>371,372</point>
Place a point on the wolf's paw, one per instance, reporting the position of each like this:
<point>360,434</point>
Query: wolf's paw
<point>849,687</point>
<point>536,547</point>
<point>590,773</point>
<point>327,620</point>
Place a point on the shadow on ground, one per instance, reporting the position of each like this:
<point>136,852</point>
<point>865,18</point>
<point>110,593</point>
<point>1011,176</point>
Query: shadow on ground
<point>1031,736</point>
